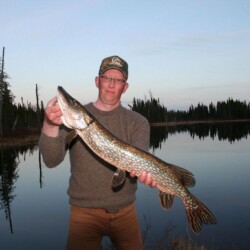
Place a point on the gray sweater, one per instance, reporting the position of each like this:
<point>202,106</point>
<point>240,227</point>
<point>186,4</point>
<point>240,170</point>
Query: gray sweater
<point>90,180</point>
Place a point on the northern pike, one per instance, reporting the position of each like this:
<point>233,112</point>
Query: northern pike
<point>171,180</point>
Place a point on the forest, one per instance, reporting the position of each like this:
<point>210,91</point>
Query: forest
<point>14,117</point>
<point>27,116</point>
<point>156,112</point>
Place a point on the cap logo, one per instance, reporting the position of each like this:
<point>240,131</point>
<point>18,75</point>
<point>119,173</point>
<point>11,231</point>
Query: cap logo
<point>116,61</point>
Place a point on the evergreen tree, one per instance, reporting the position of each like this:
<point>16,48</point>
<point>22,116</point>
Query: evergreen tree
<point>8,112</point>
<point>150,108</point>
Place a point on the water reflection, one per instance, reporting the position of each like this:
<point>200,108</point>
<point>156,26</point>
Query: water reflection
<point>230,131</point>
<point>9,160</point>
<point>11,157</point>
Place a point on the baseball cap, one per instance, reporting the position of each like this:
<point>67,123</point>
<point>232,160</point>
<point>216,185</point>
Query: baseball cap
<point>114,62</point>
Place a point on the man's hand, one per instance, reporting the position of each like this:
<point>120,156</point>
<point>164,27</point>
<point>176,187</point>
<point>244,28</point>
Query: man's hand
<point>145,178</point>
<point>53,113</point>
<point>52,118</point>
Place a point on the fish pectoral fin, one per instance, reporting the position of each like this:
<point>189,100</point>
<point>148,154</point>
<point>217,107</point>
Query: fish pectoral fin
<point>118,178</point>
<point>166,200</point>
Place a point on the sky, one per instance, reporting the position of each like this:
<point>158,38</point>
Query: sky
<point>183,52</point>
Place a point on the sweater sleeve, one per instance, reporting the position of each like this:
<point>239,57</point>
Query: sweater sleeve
<point>53,149</point>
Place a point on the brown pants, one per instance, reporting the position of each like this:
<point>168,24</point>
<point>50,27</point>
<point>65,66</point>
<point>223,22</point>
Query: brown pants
<point>87,226</point>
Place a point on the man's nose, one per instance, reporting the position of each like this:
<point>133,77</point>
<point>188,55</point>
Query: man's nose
<point>111,82</point>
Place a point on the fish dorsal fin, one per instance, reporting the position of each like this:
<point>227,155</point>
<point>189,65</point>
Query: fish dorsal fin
<point>118,178</point>
<point>166,200</point>
<point>185,177</point>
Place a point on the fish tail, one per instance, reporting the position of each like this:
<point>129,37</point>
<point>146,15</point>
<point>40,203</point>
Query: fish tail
<point>198,214</point>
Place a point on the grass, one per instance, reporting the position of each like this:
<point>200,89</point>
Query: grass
<point>166,242</point>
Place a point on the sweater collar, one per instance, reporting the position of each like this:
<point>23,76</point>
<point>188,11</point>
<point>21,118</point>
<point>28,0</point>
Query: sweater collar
<point>97,111</point>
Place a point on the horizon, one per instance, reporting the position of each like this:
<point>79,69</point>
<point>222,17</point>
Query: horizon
<point>125,104</point>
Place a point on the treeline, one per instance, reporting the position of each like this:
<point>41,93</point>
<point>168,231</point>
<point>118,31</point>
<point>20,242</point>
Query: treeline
<point>155,112</point>
<point>18,116</point>
<point>22,116</point>
<point>150,108</point>
<point>223,110</point>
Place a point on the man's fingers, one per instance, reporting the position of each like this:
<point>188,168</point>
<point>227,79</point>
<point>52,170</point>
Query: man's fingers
<point>52,102</point>
<point>142,177</point>
<point>53,112</point>
<point>145,178</point>
<point>132,173</point>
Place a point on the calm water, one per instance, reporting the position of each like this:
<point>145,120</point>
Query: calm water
<point>34,204</point>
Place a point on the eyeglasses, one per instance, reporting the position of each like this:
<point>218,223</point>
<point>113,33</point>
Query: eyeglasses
<point>109,79</point>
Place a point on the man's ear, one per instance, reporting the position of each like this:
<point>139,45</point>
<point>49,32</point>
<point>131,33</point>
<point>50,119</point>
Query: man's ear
<point>125,87</point>
<point>97,79</point>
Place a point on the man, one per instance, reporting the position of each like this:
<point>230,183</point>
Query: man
<point>97,209</point>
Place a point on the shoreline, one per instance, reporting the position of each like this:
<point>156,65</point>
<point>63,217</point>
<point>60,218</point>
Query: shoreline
<point>20,138</point>
<point>176,123</point>
<point>31,136</point>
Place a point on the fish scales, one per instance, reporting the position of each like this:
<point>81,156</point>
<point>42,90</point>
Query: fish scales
<point>124,156</point>
<point>171,180</point>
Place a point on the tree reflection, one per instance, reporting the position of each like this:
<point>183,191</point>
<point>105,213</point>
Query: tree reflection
<point>9,160</point>
<point>158,135</point>
<point>231,131</point>
<point>10,157</point>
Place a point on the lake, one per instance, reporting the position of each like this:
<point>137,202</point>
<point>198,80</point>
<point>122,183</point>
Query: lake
<point>34,204</point>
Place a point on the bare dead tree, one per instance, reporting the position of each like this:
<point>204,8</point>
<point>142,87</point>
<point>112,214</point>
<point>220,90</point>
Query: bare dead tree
<point>1,93</point>
<point>38,111</point>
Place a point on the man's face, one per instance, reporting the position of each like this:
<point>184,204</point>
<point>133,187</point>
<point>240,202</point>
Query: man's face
<point>111,84</point>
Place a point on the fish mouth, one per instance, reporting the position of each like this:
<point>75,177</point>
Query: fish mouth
<point>66,101</point>
<point>63,95</point>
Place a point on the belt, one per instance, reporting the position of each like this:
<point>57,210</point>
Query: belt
<point>112,211</point>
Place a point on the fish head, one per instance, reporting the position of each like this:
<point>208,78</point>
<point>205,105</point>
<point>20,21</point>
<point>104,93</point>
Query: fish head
<point>72,111</point>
